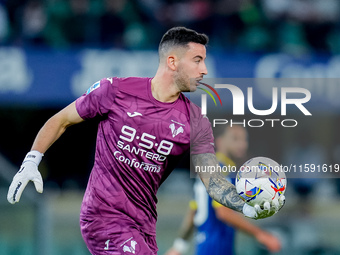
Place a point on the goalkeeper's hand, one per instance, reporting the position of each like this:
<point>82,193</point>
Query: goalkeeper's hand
<point>269,209</point>
<point>28,172</point>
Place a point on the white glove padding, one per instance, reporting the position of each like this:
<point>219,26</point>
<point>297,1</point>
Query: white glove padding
<point>28,172</point>
<point>269,209</point>
<point>181,245</point>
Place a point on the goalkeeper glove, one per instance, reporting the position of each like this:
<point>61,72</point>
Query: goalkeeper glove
<point>28,172</point>
<point>256,212</point>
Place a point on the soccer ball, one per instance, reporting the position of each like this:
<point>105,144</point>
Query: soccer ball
<point>260,180</point>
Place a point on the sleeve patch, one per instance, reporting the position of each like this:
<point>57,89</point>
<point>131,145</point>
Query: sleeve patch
<point>93,87</point>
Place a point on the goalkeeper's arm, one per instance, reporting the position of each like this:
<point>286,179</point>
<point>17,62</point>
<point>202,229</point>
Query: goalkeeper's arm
<point>47,135</point>
<point>225,193</point>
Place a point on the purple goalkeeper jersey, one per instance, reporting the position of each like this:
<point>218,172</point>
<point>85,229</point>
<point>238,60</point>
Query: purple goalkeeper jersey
<point>139,142</point>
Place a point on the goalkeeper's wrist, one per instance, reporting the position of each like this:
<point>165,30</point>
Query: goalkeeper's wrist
<point>34,156</point>
<point>181,245</point>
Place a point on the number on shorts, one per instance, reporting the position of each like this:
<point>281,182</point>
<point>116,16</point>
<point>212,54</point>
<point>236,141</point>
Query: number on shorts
<point>107,244</point>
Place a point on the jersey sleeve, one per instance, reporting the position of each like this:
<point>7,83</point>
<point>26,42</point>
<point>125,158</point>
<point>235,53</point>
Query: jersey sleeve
<point>202,139</point>
<point>97,100</point>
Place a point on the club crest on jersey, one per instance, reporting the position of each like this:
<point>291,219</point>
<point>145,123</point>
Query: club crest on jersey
<point>175,131</point>
<point>93,87</point>
<point>131,248</point>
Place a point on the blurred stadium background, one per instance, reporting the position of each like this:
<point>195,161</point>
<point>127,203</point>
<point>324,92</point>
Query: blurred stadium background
<point>51,51</point>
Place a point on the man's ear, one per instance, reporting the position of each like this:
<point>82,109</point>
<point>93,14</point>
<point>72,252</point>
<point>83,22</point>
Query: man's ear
<point>172,62</point>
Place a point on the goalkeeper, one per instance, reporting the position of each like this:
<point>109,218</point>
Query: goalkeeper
<point>146,126</point>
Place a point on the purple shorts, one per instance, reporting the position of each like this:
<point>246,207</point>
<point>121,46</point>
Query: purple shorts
<point>104,236</point>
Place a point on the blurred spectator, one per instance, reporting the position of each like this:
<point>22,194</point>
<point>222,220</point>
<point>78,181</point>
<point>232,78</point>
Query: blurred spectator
<point>72,23</point>
<point>318,18</point>
<point>33,21</point>
<point>256,36</point>
<point>12,8</point>
<point>79,25</point>
<point>202,16</point>
<point>4,24</point>
<point>292,26</point>
<point>228,25</point>
<point>301,25</point>
<point>137,35</point>
<point>196,14</point>
<point>112,25</point>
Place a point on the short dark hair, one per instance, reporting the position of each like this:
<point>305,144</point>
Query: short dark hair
<point>181,36</point>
